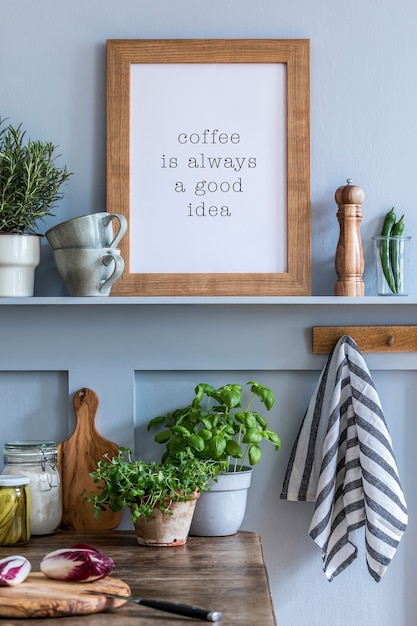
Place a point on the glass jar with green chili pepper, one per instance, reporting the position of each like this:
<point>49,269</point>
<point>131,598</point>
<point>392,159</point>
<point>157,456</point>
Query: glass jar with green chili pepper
<point>391,260</point>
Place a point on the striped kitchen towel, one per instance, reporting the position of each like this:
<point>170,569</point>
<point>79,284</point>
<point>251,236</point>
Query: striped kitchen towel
<point>343,460</point>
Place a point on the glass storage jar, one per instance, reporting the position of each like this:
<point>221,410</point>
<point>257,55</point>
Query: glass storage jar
<point>14,510</point>
<point>38,461</point>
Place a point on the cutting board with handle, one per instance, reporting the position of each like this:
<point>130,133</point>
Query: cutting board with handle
<point>39,596</point>
<point>77,457</point>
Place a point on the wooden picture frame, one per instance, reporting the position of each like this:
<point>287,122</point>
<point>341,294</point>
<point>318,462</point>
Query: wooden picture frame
<point>179,55</point>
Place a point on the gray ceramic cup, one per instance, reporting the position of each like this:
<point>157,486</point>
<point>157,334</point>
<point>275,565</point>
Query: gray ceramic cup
<point>88,231</point>
<point>89,271</point>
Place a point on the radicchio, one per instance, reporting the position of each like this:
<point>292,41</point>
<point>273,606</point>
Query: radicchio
<point>81,562</point>
<point>13,570</point>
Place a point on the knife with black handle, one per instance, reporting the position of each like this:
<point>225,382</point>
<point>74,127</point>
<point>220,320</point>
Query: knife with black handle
<point>185,610</point>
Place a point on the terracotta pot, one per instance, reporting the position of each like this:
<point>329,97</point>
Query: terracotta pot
<point>163,529</point>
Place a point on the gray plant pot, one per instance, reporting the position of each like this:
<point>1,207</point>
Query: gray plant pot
<point>220,511</point>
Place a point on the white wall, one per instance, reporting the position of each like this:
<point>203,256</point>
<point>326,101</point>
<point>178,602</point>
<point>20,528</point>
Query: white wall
<point>363,126</point>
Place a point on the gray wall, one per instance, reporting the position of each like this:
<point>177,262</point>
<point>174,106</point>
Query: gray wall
<point>144,358</point>
<point>363,95</point>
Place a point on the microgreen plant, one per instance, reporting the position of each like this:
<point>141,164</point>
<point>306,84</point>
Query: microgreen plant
<point>142,486</point>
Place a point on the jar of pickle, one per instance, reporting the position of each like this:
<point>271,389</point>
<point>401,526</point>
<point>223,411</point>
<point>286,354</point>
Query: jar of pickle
<point>38,461</point>
<point>14,510</point>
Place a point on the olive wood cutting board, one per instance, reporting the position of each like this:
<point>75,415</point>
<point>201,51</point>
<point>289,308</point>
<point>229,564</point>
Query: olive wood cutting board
<point>39,596</point>
<point>77,457</point>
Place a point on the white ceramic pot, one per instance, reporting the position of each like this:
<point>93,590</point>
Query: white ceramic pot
<point>220,511</point>
<point>19,257</point>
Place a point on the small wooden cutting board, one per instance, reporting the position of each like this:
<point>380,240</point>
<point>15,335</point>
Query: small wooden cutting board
<point>39,596</point>
<point>77,457</point>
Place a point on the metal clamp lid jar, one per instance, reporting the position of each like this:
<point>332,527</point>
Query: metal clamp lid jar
<point>38,461</point>
<point>14,510</point>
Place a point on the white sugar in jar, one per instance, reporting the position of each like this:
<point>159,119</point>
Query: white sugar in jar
<point>38,461</point>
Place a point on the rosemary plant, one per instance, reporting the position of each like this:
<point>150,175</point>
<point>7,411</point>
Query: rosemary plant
<point>30,181</point>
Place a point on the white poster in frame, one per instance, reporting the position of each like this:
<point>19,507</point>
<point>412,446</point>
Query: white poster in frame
<point>208,158</point>
<point>209,185</point>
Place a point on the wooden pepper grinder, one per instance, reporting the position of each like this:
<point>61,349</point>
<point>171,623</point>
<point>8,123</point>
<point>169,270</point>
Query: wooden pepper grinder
<point>349,261</point>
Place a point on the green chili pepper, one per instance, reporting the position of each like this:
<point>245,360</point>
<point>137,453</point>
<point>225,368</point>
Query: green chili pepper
<point>384,249</point>
<point>398,228</point>
<point>397,231</point>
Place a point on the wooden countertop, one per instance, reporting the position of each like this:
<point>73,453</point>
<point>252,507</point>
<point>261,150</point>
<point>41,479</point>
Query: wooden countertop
<point>220,573</point>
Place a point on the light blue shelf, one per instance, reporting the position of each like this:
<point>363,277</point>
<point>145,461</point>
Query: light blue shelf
<point>219,300</point>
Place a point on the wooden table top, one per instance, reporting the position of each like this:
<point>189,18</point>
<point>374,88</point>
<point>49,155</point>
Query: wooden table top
<point>219,573</point>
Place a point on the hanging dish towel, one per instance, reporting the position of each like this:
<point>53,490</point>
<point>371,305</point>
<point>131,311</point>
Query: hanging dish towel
<point>343,460</point>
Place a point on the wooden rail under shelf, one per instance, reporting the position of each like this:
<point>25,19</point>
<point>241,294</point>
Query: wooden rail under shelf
<point>368,338</point>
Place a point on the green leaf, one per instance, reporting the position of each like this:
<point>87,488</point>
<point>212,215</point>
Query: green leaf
<point>217,446</point>
<point>240,417</point>
<point>252,436</point>
<point>163,436</point>
<point>233,449</point>
<point>205,434</point>
<point>200,391</point>
<point>231,395</point>
<point>175,450</point>
<point>208,423</point>
<point>155,421</point>
<point>260,419</point>
<point>264,394</point>
<point>255,454</point>
<point>273,438</point>
<point>196,442</point>
<point>251,421</point>
<point>180,430</point>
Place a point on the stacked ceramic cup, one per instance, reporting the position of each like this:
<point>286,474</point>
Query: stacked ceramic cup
<point>85,252</point>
